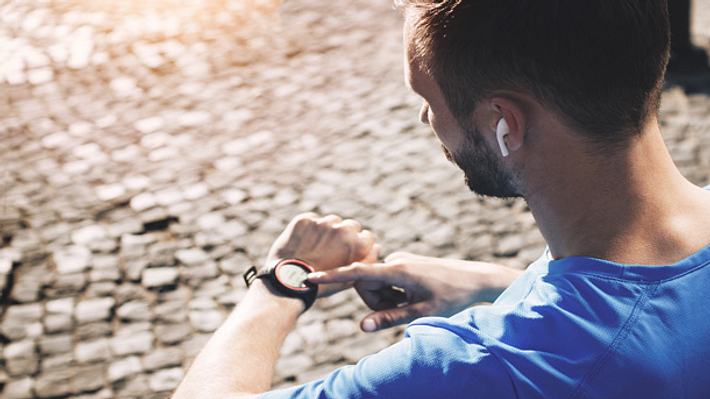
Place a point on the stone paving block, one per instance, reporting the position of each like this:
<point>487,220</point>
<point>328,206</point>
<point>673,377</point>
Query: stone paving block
<point>72,259</point>
<point>198,273</point>
<point>92,351</point>
<point>19,320</point>
<point>55,344</point>
<point>53,383</point>
<point>159,276</point>
<point>88,378</point>
<point>5,269</point>
<point>135,311</point>
<point>123,368</point>
<point>143,201</point>
<point>27,284</point>
<point>89,331</point>
<point>136,386</point>
<point>161,358</point>
<point>60,306</point>
<point>337,329</point>
<point>100,288</point>
<point>166,379</point>
<point>110,273</point>
<point>206,320</point>
<point>191,257</point>
<point>19,389</point>
<point>68,284</point>
<point>84,236</point>
<point>21,358</point>
<point>134,268</point>
<point>132,343</point>
<point>95,309</point>
<point>60,361</point>
<point>172,333</point>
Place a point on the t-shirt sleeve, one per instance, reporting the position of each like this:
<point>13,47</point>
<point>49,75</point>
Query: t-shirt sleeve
<point>430,362</point>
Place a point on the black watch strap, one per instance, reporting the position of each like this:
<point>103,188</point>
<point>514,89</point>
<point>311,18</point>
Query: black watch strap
<point>308,296</point>
<point>250,276</point>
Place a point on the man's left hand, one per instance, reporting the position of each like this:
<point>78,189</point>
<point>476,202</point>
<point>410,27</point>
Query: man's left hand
<point>324,243</point>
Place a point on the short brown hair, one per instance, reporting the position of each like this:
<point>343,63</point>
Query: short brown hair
<point>599,63</point>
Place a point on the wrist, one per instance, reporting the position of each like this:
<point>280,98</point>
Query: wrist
<point>265,295</point>
<point>286,278</point>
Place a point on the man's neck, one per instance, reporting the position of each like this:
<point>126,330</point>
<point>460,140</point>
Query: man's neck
<point>630,207</point>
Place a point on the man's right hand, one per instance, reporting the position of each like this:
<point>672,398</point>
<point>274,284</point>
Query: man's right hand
<point>408,286</point>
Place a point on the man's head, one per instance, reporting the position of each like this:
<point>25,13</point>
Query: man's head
<point>594,66</point>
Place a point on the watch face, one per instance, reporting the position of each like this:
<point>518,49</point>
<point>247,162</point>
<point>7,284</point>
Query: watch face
<point>292,276</point>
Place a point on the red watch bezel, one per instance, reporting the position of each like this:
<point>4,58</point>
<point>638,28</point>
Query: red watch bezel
<point>300,263</point>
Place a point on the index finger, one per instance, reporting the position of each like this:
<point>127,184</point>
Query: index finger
<point>354,272</point>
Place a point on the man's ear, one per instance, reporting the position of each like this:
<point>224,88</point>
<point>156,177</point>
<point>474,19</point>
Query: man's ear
<point>510,110</point>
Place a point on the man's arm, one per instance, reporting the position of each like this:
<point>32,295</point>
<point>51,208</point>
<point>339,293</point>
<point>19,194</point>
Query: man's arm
<point>239,359</point>
<point>407,286</point>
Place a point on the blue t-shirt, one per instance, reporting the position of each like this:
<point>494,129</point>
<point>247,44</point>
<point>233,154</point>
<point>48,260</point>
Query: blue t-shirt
<point>577,327</point>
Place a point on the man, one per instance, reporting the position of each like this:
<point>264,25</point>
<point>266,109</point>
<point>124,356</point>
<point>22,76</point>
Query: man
<point>555,101</point>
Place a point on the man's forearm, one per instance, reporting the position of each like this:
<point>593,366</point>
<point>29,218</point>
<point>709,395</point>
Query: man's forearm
<point>240,357</point>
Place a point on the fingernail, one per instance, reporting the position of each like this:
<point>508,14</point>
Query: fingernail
<point>315,275</point>
<point>369,325</point>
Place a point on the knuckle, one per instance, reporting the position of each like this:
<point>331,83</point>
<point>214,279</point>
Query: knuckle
<point>348,227</point>
<point>397,266</point>
<point>387,320</point>
<point>367,236</point>
<point>302,224</point>
<point>352,223</point>
<point>356,267</point>
<point>341,232</point>
<point>353,271</point>
<point>359,269</point>
<point>304,219</point>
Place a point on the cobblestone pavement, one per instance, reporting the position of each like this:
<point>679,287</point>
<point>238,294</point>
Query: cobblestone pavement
<point>150,153</point>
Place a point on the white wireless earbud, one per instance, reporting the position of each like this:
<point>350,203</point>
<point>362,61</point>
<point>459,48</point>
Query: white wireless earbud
<point>502,130</point>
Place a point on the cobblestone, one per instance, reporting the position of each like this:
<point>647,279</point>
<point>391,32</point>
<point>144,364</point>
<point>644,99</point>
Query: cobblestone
<point>19,389</point>
<point>165,380</point>
<point>161,358</point>
<point>92,351</point>
<point>55,344</point>
<point>132,343</point>
<point>21,321</point>
<point>72,259</point>
<point>123,368</point>
<point>53,383</point>
<point>95,309</point>
<point>21,358</point>
<point>152,151</point>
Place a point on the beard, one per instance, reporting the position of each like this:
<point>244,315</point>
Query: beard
<point>483,172</point>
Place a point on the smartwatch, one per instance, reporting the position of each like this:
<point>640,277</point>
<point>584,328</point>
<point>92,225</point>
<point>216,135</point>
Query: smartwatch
<point>289,277</point>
